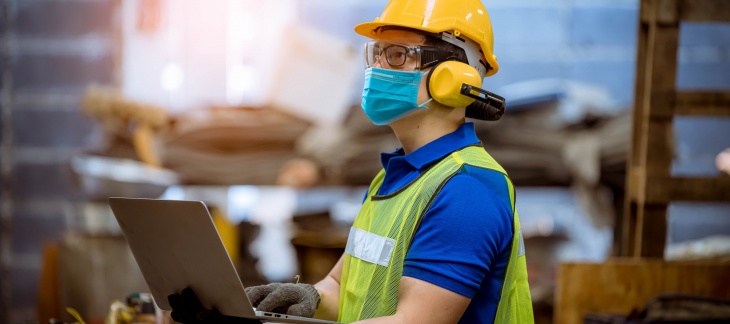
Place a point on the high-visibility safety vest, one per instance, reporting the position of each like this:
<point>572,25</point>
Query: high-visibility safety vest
<point>383,232</point>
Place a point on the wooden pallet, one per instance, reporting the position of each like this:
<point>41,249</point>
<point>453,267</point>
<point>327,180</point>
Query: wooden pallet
<point>650,186</point>
<point>621,285</point>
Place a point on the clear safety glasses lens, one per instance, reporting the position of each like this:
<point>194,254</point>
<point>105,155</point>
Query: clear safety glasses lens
<point>404,57</point>
<point>391,55</point>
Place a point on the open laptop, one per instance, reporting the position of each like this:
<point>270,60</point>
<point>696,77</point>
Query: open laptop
<point>176,245</point>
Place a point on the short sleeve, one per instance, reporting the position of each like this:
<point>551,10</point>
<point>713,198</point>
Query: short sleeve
<point>466,230</point>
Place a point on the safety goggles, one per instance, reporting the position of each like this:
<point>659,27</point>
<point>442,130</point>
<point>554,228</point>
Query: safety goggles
<point>404,57</point>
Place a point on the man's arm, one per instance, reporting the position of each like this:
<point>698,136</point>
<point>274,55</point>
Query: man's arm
<point>329,293</point>
<point>422,302</point>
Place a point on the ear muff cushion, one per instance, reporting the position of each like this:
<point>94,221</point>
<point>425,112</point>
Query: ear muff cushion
<point>445,79</point>
<point>428,80</point>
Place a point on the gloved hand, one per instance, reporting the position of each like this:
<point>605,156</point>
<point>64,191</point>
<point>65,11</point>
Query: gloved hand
<point>285,298</point>
<point>187,309</point>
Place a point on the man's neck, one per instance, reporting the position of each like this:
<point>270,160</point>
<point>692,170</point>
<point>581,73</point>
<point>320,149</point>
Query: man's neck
<point>413,133</point>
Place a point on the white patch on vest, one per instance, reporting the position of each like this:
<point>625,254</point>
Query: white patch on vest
<point>521,250</point>
<point>369,247</point>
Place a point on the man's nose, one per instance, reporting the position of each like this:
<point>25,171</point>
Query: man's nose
<point>378,61</point>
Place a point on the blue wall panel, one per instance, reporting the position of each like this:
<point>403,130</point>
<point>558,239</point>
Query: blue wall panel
<point>617,77</point>
<point>533,26</point>
<point>605,26</point>
<point>564,39</point>
<point>703,75</point>
<point>703,34</point>
<point>524,71</point>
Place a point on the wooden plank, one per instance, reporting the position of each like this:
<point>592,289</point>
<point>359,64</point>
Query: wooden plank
<point>49,304</point>
<point>646,11</point>
<point>665,190</point>
<point>576,281</point>
<point>714,283</point>
<point>664,41</point>
<point>637,114</point>
<point>655,145</point>
<point>667,104</point>
<point>633,162</point>
<point>634,184</point>
<point>704,10</point>
<point>659,12</point>
<point>671,12</point>
<point>656,140</point>
<point>646,221</point>
<point>618,286</point>
<point>651,231</point>
<point>628,228</point>
<point>667,12</point>
<point>709,103</point>
<point>664,103</point>
<point>651,228</point>
<point>637,178</point>
<point>659,148</point>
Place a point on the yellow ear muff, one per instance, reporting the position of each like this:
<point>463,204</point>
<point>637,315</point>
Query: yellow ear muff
<point>445,80</point>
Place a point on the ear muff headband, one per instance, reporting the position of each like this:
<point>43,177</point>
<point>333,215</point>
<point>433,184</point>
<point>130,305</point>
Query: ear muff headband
<point>456,84</point>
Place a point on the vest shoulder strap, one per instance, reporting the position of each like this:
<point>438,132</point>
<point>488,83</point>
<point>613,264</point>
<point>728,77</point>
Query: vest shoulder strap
<point>377,181</point>
<point>477,156</point>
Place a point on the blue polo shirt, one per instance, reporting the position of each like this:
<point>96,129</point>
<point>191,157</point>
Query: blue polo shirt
<point>464,239</point>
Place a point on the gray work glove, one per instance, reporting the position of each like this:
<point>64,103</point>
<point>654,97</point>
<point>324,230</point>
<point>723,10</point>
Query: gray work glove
<point>285,298</point>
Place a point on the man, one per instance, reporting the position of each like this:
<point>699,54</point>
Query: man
<point>437,239</point>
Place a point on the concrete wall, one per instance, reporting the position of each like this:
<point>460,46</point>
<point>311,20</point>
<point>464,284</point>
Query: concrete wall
<point>51,50</point>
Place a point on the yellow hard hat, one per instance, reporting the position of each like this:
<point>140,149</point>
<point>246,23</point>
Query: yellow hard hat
<point>466,18</point>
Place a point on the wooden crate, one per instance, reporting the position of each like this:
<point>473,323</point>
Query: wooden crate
<point>650,186</point>
<point>618,286</point>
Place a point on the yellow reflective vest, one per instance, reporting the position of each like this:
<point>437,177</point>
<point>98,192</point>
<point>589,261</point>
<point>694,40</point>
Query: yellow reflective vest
<point>384,229</point>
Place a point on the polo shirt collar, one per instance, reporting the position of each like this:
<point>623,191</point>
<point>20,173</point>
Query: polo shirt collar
<point>437,149</point>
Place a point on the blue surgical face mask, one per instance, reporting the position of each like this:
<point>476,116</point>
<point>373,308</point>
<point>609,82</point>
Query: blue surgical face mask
<point>389,95</point>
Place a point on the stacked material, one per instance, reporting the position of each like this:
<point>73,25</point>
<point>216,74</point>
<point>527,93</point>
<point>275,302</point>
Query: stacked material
<point>562,133</point>
<point>348,154</point>
<point>557,132</point>
<point>715,247</point>
<point>226,146</point>
<point>217,145</point>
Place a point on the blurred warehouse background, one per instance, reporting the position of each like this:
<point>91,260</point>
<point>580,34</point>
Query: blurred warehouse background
<point>253,107</point>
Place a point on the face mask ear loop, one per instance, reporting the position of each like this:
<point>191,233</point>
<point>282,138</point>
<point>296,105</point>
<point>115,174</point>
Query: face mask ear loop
<point>423,105</point>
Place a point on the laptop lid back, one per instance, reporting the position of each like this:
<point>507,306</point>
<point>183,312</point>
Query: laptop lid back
<point>176,245</point>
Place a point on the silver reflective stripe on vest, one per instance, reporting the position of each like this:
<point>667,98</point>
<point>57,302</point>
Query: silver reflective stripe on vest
<point>369,247</point>
<point>521,250</point>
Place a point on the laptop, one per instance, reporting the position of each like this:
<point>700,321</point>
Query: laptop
<point>176,245</point>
